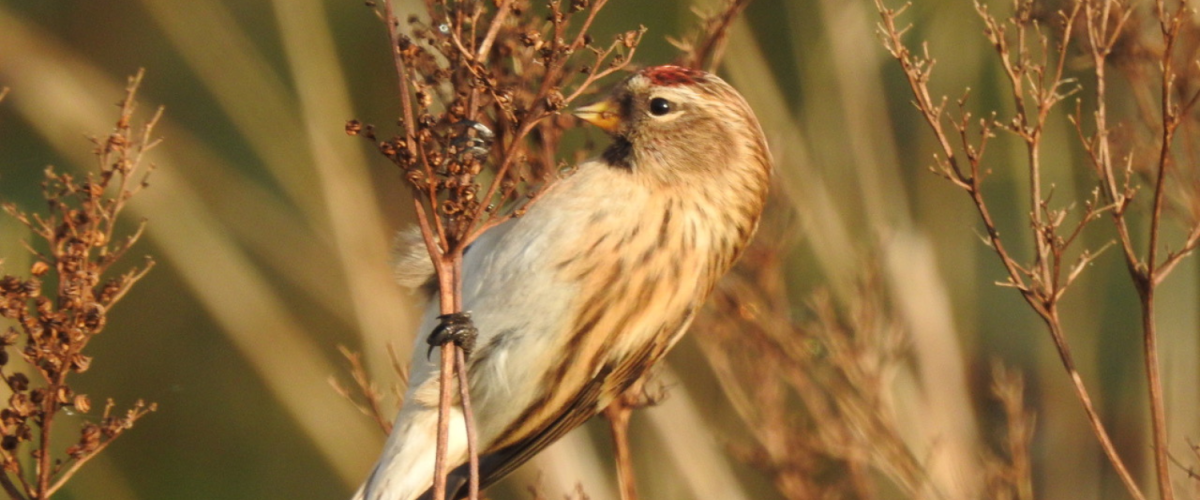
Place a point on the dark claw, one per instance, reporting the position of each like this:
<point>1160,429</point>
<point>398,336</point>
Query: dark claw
<point>456,328</point>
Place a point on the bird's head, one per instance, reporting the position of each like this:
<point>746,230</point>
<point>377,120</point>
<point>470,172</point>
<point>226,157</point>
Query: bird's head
<point>671,120</point>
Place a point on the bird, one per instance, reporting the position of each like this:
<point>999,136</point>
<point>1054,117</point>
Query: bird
<point>576,299</point>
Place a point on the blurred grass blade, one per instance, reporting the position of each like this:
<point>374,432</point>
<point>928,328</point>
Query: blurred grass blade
<point>701,463</point>
<point>824,228</point>
<point>866,140</point>
<point>195,243</point>
<point>246,88</point>
<point>940,425</point>
<point>570,462</point>
<point>353,212</point>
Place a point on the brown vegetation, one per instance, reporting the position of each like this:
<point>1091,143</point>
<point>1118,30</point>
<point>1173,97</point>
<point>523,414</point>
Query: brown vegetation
<point>77,242</point>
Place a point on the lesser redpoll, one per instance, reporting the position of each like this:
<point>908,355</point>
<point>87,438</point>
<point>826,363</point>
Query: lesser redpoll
<point>580,296</point>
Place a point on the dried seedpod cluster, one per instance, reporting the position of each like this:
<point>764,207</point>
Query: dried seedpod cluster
<point>63,304</point>
<point>481,88</point>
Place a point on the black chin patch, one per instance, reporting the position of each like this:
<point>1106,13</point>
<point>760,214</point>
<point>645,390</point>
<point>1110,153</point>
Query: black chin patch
<point>619,153</point>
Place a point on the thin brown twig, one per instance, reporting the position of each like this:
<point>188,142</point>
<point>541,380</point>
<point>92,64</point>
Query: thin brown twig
<point>1169,26</point>
<point>449,298</point>
<point>501,14</point>
<point>1044,286</point>
<point>618,414</point>
<point>370,394</point>
<point>393,32</point>
<point>1008,388</point>
<point>6,482</point>
<point>469,418</point>
<point>134,415</point>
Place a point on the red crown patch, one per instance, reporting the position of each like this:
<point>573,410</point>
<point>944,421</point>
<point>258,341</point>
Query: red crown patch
<point>669,75</point>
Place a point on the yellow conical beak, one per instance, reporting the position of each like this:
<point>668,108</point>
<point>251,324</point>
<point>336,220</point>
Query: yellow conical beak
<point>604,114</point>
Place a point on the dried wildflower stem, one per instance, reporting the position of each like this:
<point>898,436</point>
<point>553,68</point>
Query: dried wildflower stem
<point>835,366</point>
<point>448,286</point>
<point>11,489</point>
<point>709,46</point>
<point>450,291</point>
<point>486,98</point>
<point>1149,272</point>
<point>1043,282</point>
<point>79,231</point>
<point>1170,24</point>
<point>393,31</point>
<point>618,414</point>
<point>1008,388</point>
<point>137,412</point>
<point>469,417</point>
<point>372,399</point>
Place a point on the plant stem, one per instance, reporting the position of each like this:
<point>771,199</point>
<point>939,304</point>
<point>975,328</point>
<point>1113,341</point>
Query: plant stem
<point>445,379</point>
<point>43,466</point>
<point>9,487</point>
<point>449,298</point>
<point>1106,444</point>
<point>618,414</point>
<point>1157,407</point>
<point>618,422</point>
<point>469,421</point>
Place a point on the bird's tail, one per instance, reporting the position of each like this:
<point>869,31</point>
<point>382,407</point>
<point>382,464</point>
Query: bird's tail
<point>405,467</point>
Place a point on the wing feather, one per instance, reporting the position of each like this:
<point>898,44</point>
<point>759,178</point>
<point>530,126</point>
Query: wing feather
<point>495,465</point>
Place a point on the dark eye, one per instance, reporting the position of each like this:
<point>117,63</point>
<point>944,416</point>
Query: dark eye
<point>659,106</point>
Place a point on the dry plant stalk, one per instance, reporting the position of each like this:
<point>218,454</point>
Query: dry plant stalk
<point>815,397</point>
<point>837,367</point>
<point>79,233</point>
<point>480,87</point>
<point>705,48</point>
<point>1032,53</point>
<point>639,395</point>
<point>365,395</point>
<point>1010,474</point>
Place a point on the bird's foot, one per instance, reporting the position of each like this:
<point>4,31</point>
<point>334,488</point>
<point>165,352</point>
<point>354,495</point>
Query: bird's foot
<point>456,328</point>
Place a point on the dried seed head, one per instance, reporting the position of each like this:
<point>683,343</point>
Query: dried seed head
<point>555,100</point>
<point>531,38</point>
<point>94,318</point>
<point>82,403</point>
<point>18,381</point>
<point>10,284</point>
<point>64,395</point>
<point>20,404</point>
<point>424,99</point>
<point>80,363</point>
<point>32,287</point>
<point>630,38</point>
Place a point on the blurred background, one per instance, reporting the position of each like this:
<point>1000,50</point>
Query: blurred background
<point>273,232</point>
